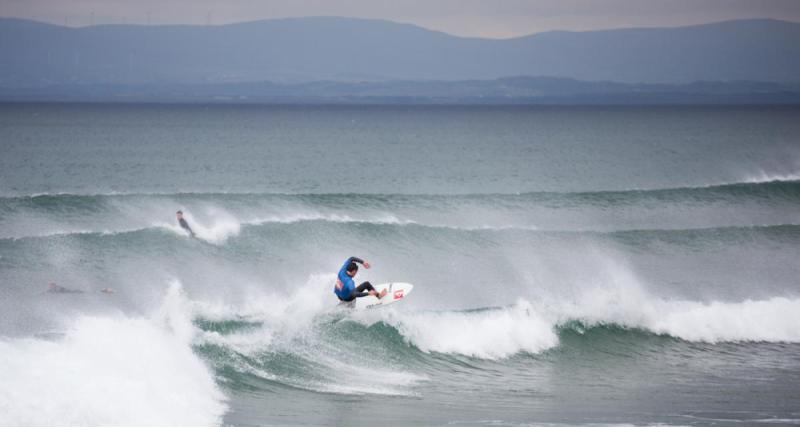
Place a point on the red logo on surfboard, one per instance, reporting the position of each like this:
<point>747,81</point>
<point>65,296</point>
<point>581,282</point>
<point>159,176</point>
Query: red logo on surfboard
<point>398,294</point>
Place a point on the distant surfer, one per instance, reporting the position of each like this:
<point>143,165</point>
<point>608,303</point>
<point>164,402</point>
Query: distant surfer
<point>346,288</point>
<point>184,225</point>
<point>53,288</point>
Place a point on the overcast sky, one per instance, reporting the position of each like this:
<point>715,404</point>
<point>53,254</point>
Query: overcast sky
<point>475,18</point>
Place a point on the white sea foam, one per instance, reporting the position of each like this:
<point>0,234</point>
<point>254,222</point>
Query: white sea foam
<point>489,334</point>
<point>763,176</point>
<point>329,217</point>
<point>374,381</point>
<point>296,306</point>
<point>772,320</point>
<point>111,371</point>
<point>221,227</point>
<point>627,303</point>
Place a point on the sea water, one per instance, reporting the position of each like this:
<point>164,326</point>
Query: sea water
<point>572,265</point>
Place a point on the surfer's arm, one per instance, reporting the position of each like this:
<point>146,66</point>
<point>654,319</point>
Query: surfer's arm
<point>343,271</point>
<point>358,260</point>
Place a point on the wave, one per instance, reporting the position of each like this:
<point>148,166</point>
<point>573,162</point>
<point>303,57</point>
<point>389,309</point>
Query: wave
<point>302,227</point>
<point>386,219</point>
<point>217,217</point>
<point>788,189</point>
<point>774,320</point>
<point>766,177</point>
<point>299,341</point>
<point>111,371</point>
<point>495,333</point>
<point>754,184</point>
<point>486,334</point>
<point>400,349</point>
<point>221,229</point>
<point>523,327</point>
<point>698,238</point>
<point>173,365</point>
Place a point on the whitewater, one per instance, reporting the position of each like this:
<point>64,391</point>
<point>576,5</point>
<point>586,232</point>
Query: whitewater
<point>572,265</point>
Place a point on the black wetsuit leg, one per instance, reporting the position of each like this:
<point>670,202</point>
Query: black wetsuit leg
<point>359,292</point>
<point>363,290</point>
<point>185,226</point>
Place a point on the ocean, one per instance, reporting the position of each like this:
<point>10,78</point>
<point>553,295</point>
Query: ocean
<point>572,265</point>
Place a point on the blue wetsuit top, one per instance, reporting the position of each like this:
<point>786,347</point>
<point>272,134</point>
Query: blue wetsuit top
<point>344,283</point>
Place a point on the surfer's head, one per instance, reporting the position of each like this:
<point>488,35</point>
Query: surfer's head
<point>352,269</point>
<point>179,214</point>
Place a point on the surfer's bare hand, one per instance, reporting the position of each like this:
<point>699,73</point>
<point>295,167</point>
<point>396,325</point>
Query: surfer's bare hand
<point>366,264</point>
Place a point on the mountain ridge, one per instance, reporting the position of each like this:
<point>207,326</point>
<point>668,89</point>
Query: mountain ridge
<point>400,24</point>
<point>295,50</point>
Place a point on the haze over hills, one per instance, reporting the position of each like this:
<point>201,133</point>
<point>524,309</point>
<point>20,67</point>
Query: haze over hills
<point>345,59</point>
<point>343,49</point>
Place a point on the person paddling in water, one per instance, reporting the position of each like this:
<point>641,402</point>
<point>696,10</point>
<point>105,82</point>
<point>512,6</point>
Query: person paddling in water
<point>58,289</point>
<point>346,288</point>
<point>182,222</point>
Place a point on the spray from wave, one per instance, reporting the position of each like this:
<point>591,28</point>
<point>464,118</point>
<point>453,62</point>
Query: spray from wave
<point>111,371</point>
<point>299,339</point>
<point>764,177</point>
<point>217,230</point>
<point>487,334</point>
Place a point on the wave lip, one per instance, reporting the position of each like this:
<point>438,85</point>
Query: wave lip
<point>766,177</point>
<point>751,180</point>
<point>772,320</point>
<point>486,334</point>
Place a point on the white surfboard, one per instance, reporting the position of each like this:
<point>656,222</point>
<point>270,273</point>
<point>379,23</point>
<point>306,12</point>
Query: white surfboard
<point>395,291</point>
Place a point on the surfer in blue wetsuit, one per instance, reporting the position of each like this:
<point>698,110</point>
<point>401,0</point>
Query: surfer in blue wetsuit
<point>346,288</point>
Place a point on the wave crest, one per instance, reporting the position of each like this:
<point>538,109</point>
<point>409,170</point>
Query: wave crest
<point>110,372</point>
<point>486,334</point>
